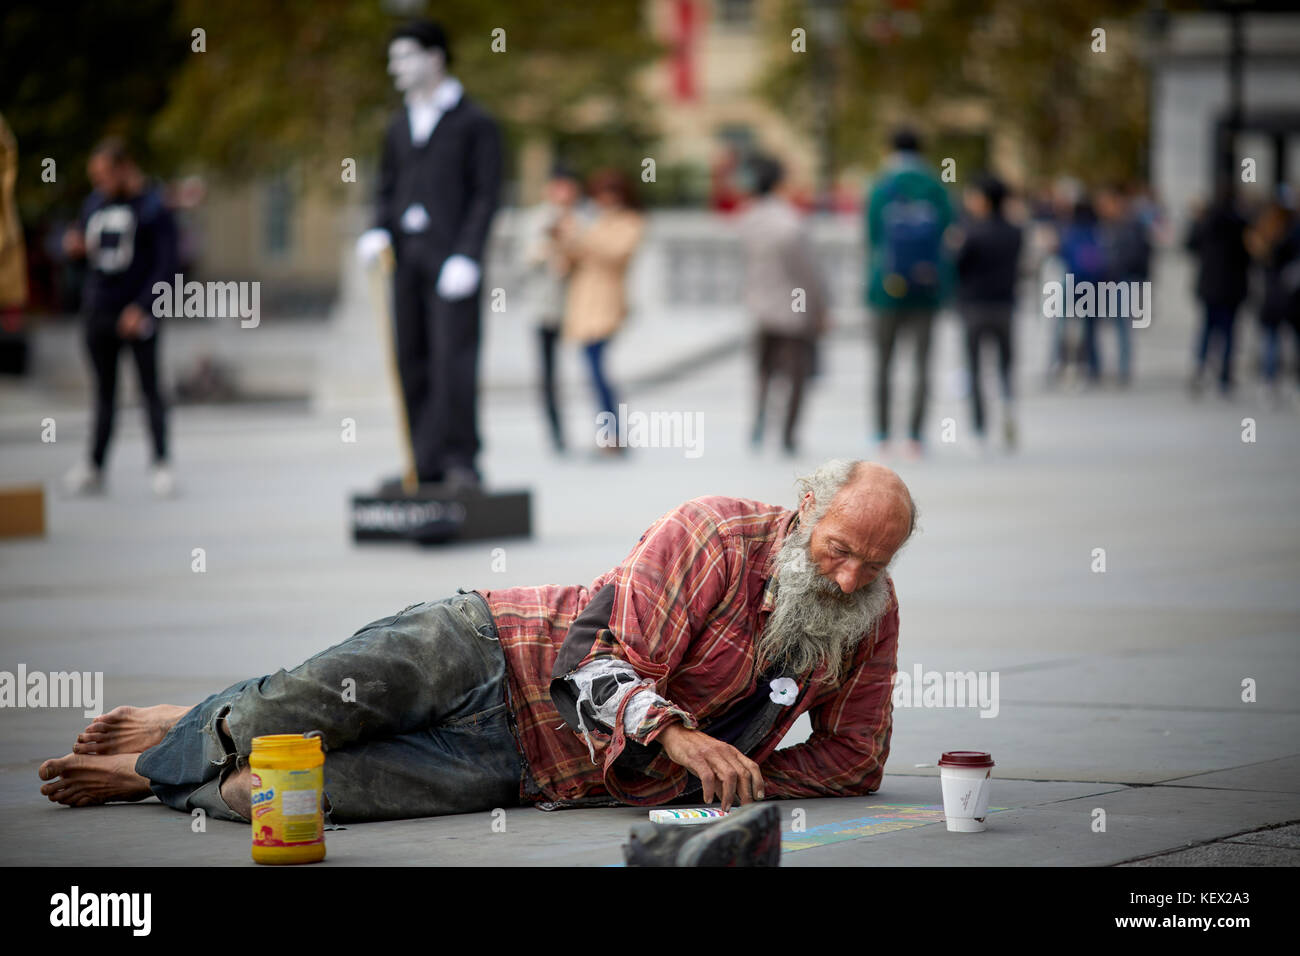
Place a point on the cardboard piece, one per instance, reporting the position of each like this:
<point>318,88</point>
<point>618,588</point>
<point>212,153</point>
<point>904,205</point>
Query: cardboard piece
<point>22,511</point>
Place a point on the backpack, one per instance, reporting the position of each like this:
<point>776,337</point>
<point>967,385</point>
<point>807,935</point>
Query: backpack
<point>912,231</point>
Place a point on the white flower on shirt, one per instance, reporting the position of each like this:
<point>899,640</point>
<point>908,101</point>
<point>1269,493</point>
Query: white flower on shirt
<point>784,691</point>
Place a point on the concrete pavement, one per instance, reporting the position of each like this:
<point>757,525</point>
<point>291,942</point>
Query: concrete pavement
<point>1119,690</point>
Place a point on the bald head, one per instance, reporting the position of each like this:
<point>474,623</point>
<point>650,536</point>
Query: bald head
<point>873,488</point>
<point>860,513</point>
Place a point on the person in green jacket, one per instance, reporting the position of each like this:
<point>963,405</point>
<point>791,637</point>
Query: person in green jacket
<point>910,272</point>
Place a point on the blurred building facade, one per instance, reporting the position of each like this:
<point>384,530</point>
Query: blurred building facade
<point>1191,90</point>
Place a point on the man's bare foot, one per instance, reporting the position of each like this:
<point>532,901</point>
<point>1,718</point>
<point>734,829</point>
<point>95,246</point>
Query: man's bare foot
<point>128,730</point>
<point>80,781</point>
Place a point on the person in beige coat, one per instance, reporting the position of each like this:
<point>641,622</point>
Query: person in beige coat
<point>599,256</point>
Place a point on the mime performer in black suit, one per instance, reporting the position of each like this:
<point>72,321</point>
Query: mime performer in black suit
<point>438,190</point>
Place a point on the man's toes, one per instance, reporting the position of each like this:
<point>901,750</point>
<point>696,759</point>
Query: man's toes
<point>55,785</point>
<point>51,768</point>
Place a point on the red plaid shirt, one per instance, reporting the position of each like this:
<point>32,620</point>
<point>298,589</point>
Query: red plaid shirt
<point>688,603</point>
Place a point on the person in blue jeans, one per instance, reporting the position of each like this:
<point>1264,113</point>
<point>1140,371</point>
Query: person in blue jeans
<point>598,256</point>
<point>412,711</point>
<point>1084,257</point>
<point>1128,259</point>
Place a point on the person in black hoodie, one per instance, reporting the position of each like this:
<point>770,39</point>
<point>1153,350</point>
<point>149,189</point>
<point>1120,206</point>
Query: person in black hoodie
<point>129,240</point>
<point>987,261</point>
<point>1217,239</point>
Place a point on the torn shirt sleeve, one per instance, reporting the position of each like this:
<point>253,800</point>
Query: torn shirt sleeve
<point>589,685</point>
<point>599,688</point>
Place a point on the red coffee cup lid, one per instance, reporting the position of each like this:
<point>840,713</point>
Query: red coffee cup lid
<point>965,758</point>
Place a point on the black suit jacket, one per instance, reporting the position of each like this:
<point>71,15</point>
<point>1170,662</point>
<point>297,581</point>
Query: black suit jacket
<point>455,175</point>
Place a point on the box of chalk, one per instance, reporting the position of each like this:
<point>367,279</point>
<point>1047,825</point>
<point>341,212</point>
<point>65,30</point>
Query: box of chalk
<point>686,815</point>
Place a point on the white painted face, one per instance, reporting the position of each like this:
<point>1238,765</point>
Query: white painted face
<point>412,67</point>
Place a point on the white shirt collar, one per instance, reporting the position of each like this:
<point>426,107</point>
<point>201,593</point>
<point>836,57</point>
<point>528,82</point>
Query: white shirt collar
<point>443,97</point>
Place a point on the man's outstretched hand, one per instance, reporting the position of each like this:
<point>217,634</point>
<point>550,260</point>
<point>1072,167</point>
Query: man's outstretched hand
<point>724,771</point>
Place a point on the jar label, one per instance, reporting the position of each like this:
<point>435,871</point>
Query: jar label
<point>287,807</point>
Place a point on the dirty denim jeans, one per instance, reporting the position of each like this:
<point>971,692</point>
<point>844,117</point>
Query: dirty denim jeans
<point>413,711</point>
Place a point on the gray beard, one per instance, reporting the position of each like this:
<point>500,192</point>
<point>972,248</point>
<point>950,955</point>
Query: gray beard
<point>814,622</point>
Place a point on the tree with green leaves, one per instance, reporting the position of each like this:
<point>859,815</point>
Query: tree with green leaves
<point>1075,108</point>
<point>244,88</point>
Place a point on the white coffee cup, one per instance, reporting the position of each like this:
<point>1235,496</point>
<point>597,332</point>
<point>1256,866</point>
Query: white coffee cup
<point>965,776</point>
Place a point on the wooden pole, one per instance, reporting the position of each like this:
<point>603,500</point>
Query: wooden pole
<point>381,285</point>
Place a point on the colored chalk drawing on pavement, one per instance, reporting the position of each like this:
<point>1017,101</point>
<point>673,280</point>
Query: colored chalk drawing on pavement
<point>882,818</point>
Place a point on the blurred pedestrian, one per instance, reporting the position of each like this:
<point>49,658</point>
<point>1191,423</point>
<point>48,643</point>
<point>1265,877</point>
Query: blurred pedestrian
<point>1148,211</point>
<point>785,293</point>
<point>546,272</point>
<point>909,274</point>
<point>1052,209</point>
<point>13,261</point>
<point>1126,243</point>
<point>1274,240</point>
<point>598,256</point>
<point>724,195</point>
<point>128,238</point>
<point>987,268</point>
<point>1084,259</point>
<point>1217,239</point>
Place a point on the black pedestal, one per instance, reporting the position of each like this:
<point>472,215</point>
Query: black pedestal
<point>433,514</point>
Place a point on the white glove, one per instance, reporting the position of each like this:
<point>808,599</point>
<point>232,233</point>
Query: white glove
<point>415,219</point>
<point>371,243</point>
<point>458,278</point>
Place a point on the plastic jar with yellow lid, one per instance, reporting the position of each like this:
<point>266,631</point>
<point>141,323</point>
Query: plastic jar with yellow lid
<point>287,812</point>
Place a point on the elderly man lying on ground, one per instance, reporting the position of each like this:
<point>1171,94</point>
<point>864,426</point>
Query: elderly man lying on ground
<point>674,675</point>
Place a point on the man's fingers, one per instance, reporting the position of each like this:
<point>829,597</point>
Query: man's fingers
<point>751,779</point>
<point>755,775</point>
<point>706,778</point>
<point>744,783</point>
<point>728,788</point>
<point>738,774</point>
<point>728,778</point>
<point>725,774</point>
